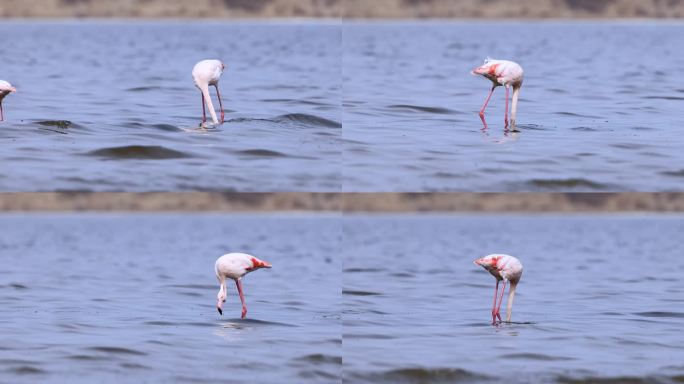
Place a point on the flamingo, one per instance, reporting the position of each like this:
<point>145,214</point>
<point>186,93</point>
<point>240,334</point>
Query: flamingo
<point>204,74</point>
<point>506,268</point>
<point>506,73</point>
<point>235,266</point>
<point>5,89</point>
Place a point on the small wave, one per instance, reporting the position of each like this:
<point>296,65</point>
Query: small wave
<point>320,358</point>
<point>159,322</point>
<point>150,152</point>
<point>143,89</point>
<point>301,118</point>
<point>87,357</point>
<point>118,350</point>
<point>15,286</point>
<point>235,323</point>
<point>360,293</point>
<point>262,153</point>
<point>629,146</point>
<point>584,129</point>
<point>660,314</point>
<point>664,97</point>
<point>679,173</point>
<point>566,183</point>
<point>447,175</point>
<point>295,101</point>
<point>191,286</point>
<point>562,113</point>
<point>354,270</point>
<point>535,356</point>
<point>419,108</point>
<point>420,375</point>
<point>27,370</point>
<point>166,127</point>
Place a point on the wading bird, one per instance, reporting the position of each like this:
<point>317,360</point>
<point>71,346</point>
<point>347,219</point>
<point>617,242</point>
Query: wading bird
<point>5,89</point>
<point>206,73</point>
<point>506,268</point>
<point>235,266</point>
<point>506,73</point>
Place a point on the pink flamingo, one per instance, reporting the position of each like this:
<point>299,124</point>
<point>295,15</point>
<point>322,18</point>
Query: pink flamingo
<point>506,268</point>
<point>506,73</point>
<point>206,73</point>
<point>235,266</point>
<point>5,89</point>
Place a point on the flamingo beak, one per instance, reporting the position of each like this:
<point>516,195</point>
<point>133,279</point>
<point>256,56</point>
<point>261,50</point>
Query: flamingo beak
<point>13,89</point>
<point>266,265</point>
<point>219,306</point>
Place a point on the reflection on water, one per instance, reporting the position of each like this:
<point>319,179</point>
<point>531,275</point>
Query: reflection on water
<point>599,298</point>
<point>131,298</point>
<point>112,106</point>
<point>600,105</point>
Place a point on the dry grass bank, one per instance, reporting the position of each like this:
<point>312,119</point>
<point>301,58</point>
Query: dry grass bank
<point>347,8</point>
<point>335,202</point>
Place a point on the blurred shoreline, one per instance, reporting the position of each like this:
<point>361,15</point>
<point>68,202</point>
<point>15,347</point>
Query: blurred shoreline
<point>338,202</point>
<point>337,9</point>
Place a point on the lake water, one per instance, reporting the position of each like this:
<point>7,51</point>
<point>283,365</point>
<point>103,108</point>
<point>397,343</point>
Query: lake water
<point>115,298</point>
<point>112,106</point>
<point>601,107</point>
<point>600,298</point>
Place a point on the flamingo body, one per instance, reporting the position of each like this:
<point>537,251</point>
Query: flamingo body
<point>235,266</point>
<point>204,74</point>
<point>5,89</point>
<point>502,73</point>
<point>504,268</point>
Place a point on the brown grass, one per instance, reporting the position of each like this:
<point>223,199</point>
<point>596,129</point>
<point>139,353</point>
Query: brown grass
<point>344,8</point>
<point>350,202</point>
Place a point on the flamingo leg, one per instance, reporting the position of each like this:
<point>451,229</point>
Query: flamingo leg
<point>506,113</point>
<point>238,282</point>
<point>496,293</point>
<point>204,112</point>
<point>498,307</point>
<point>220,103</point>
<point>2,117</point>
<point>482,111</point>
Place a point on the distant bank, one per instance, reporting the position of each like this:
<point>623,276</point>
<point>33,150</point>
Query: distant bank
<point>483,9</point>
<point>336,202</point>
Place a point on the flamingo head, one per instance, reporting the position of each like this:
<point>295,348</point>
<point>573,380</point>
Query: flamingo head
<point>256,264</point>
<point>221,300</point>
<point>488,262</point>
<point>484,69</point>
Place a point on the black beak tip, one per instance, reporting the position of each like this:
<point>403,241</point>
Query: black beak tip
<point>220,311</point>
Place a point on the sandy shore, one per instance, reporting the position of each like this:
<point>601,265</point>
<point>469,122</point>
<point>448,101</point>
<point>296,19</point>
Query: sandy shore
<point>343,8</point>
<point>334,202</point>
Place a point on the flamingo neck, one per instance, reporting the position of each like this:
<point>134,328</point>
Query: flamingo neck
<point>222,287</point>
<point>509,304</point>
<point>514,104</point>
<point>210,105</point>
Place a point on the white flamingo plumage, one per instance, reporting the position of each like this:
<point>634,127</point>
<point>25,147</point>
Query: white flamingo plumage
<point>5,89</point>
<point>506,73</point>
<point>506,268</point>
<point>204,74</point>
<point>235,266</point>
